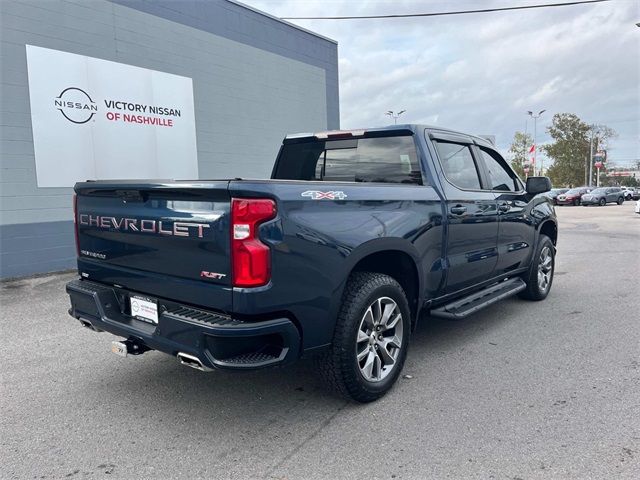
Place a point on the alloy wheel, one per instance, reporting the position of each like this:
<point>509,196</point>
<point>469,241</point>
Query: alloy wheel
<point>379,339</point>
<point>545,269</point>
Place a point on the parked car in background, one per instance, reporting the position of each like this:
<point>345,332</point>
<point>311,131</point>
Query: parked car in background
<point>602,196</point>
<point>553,194</point>
<point>628,192</point>
<point>636,193</point>
<point>572,197</point>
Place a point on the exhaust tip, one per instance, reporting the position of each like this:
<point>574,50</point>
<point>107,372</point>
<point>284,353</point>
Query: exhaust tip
<point>89,325</point>
<point>192,361</point>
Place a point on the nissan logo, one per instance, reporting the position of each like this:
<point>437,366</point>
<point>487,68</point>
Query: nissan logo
<point>75,105</point>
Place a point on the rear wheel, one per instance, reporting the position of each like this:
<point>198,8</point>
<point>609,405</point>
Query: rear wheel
<point>620,200</point>
<point>540,275</point>
<point>576,202</point>
<point>370,340</point>
<point>602,202</point>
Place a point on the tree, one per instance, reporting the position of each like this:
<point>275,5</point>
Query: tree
<point>570,149</point>
<point>519,150</point>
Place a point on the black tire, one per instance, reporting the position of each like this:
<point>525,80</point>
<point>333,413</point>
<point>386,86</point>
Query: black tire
<point>576,202</point>
<point>339,365</point>
<point>602,202</point>
<point>534,290</point>
<point>620,200</point>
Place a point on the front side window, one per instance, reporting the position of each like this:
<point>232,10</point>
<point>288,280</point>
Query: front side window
<point>458,165</point>
<point>379,160</point>
<point>500,177</point>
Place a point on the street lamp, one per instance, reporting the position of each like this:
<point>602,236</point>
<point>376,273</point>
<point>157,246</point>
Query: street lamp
<point>535,140</point>
<point>394,115</point>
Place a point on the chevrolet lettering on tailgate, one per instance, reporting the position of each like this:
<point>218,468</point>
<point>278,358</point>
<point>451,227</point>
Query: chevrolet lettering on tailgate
<point>160,227</point>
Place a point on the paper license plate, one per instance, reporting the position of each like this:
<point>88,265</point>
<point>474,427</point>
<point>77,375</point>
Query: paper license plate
<point>144,309</point>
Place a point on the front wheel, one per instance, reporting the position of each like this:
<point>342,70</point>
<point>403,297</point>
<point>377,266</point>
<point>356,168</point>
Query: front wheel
<point>576,202</point>
<point>540,275</point>
<point>602,202</point>
<point>620,200</point>
<point>370,340</point>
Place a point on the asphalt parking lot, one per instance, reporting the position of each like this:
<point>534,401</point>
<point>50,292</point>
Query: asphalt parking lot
<point>521,390</point>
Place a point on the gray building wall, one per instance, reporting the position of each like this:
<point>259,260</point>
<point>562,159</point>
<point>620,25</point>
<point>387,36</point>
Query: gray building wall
<point>255,79</point>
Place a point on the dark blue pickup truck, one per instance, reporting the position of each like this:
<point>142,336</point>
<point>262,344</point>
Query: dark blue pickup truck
<point>355,234</point>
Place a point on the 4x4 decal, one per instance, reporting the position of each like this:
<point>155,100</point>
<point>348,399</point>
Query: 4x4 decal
<point>318,195</point>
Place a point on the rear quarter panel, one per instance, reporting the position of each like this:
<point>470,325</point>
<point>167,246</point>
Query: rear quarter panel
<point>316,243</point>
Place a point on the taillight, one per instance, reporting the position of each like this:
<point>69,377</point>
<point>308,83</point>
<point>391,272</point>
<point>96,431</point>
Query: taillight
<point>75,223</point>
<point>250,258</point>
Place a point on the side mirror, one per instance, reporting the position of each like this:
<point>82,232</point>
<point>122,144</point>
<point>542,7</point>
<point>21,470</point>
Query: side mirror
<point>537,185</point>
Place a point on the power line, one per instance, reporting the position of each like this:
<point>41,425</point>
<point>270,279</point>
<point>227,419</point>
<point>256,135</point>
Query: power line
<point>439,14</point>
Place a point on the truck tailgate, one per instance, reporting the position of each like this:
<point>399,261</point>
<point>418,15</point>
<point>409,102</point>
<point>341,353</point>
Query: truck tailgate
<point>162,239</point>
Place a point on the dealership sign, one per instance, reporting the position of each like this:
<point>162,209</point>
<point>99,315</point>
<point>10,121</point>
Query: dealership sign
<point>96,119</point>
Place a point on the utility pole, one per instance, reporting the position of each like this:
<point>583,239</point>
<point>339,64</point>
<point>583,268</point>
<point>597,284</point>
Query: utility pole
<point>535,139</point>
<point>394,115</point>
<point>590,157</point>
<point>586,170</point>
<point>525,160</point>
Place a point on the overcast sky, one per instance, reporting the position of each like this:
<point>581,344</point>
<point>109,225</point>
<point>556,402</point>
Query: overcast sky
<point>480,73</point>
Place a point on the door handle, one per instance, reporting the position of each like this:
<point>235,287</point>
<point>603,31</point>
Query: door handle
<point>504,207</point>
<point>458,210</point>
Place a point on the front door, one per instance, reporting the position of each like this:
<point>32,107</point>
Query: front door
<point>515,233</point>
<point>472,216</point>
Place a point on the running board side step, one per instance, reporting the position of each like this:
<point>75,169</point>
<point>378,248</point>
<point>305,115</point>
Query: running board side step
<point>478,300</point>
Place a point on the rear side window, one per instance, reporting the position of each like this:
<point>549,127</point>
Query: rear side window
<point>458,165</point>
<point>379,160</point>
<point>500,176</point>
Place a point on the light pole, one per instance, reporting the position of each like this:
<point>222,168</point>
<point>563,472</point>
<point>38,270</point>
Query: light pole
<point>394,115</point>
<point>590,156</point>
<point>535,139</point>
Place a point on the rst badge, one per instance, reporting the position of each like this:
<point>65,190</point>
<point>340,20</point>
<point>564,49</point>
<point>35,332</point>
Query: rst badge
<point>213,275</point>
<point>318,195</point>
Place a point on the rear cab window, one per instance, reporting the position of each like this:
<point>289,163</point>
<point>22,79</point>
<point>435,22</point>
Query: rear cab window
<point>389,159</point>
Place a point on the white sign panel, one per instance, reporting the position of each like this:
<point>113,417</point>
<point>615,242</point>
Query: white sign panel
<point>96,119</point>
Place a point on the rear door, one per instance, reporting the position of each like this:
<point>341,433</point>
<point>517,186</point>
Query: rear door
<point>471,213</point>
<point>613,194</point>
<point>609,194</point>
<point>170,240</point>
<point>515,233</point>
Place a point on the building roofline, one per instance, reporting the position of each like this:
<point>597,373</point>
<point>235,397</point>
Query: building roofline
<point>289,24</point>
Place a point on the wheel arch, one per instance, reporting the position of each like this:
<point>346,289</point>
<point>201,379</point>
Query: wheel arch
<point>550,229</point>
<point>397,258</point>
